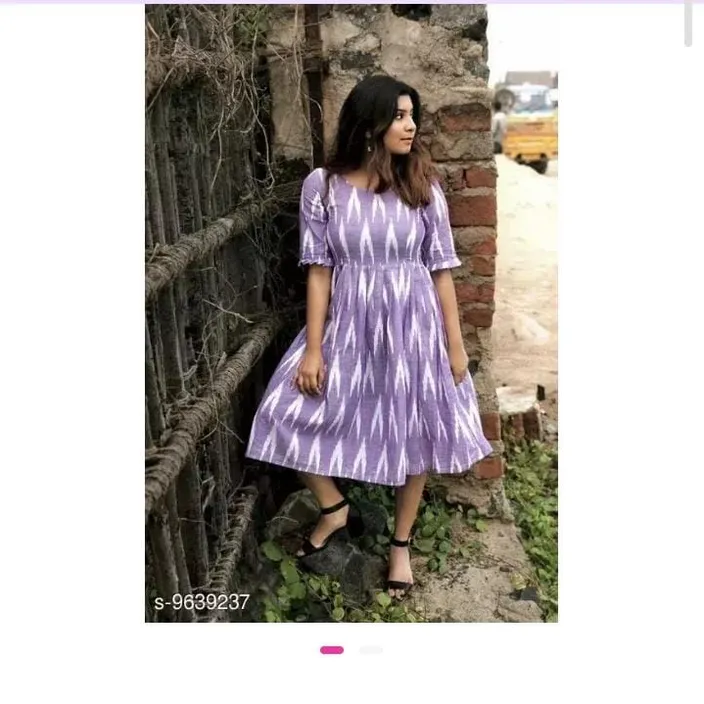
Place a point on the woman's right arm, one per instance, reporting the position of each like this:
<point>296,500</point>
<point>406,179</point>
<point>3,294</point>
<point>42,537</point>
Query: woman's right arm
<point>311,371</point>
<point>316,254</point>
<point>317,302</point>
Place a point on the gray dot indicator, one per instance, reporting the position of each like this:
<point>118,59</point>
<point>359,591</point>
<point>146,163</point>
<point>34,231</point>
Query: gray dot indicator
<point>371,650</point>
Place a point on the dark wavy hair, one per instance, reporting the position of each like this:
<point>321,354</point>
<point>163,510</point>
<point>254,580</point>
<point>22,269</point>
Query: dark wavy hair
<point>370,108</point>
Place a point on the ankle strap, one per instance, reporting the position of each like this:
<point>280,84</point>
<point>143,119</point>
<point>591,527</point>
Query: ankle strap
<point>336,507</point>
<point>400,543</point>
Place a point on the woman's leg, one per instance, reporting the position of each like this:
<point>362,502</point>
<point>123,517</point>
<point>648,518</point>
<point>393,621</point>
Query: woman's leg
<point>407,501</point>
<point>327,494</point>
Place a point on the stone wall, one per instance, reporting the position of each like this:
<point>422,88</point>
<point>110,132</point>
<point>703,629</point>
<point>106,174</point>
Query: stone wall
<point>287,83</point>
<point>441,50</point>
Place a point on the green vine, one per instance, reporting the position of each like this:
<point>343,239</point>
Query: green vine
<point>432,534</point>
<point>300,596</point>
<point>531,486</point>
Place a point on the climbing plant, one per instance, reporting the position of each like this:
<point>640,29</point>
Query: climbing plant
<point>300,596</point>
<point>531,485</point>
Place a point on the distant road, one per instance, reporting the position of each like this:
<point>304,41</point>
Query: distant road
<point>525,322</point>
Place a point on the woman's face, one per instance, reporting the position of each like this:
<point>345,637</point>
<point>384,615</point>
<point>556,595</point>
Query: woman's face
<point>399,137</point>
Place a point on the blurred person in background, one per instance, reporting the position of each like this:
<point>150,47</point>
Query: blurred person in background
<point>498,127</point>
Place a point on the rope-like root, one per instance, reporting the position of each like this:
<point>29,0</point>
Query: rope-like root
<point>203,414</point>
<point>241,512</point>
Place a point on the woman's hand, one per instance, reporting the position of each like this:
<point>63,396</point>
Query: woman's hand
<point>459,361</point>
<point>311,373</point>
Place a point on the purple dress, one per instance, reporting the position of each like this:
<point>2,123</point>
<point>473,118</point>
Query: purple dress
<point>390,407</point>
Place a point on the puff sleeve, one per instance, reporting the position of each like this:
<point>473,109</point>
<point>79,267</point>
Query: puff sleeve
<point>313,219</point>
<point>438,248</point>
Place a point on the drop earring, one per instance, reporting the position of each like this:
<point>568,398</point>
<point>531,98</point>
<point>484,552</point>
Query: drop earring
<point>369,146</point>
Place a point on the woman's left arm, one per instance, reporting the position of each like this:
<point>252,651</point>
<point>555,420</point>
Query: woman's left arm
<point>438,252</point>
<point>445,287</point>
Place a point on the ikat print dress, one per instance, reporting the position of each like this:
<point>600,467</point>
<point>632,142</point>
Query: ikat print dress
<point>390,407</point>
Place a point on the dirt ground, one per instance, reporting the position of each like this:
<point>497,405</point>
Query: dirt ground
<point>525,322</point>
<point>477,589</point>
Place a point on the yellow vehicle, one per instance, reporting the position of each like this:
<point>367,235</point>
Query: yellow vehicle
<point>531,135</point>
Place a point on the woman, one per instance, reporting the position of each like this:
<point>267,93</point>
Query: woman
<point>375,388</point>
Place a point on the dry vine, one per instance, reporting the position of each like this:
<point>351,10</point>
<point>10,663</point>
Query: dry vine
<point>213,199</point>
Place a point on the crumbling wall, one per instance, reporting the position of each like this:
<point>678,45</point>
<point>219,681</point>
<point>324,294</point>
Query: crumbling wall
<point>291,139</point>
<point>441,50</point>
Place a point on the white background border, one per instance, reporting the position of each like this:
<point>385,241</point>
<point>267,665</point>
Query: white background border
<point>71,189</point>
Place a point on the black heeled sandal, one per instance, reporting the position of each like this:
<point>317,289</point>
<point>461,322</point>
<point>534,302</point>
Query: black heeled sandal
<point>353,528</point>
<point>392,583</point>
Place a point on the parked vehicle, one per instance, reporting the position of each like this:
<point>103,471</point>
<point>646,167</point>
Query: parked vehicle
<point>531,136</point>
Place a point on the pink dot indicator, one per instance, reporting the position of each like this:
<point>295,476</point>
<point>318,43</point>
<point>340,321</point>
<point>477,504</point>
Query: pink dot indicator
<point>332,649</point>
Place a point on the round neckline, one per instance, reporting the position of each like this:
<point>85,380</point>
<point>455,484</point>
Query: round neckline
<point>357,188</point>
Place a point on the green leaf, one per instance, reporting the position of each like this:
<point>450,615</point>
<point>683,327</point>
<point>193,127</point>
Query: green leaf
<point>297,590</point>
<point>433,564</point>
<point>289,572</point>
<point>397,613</point>
<point>427,530</point>
<point>383,599</point>
<point>271,617</point>
<point>357,615</point>
<point>442,567</point>
<point>337,601</point>
<point>379,550</point>
<point>367,542</point>
<point>441,533</point>
<point>425,546</point>
<point>465,551</point>
<point>314,583</point>
<point>382,539</point>
<point>272,551</point>
<point>338,614</point>
<point>481,525</point>
<point>444,547</point>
